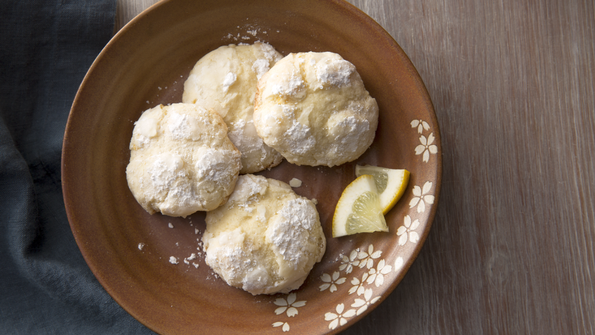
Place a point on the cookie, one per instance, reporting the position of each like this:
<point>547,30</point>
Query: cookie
<point>265,239</point>
<point>225,80</point>
<point>314,109</point>
<point>181,160</point>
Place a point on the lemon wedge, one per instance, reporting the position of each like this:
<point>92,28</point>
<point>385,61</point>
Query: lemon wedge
<point>390,183</point>
<point>358,209</point>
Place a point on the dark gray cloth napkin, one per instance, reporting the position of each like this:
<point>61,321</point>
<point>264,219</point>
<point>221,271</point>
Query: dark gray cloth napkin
<point>46,47</point>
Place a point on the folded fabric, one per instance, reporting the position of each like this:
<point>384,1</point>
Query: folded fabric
<point>46,47</point>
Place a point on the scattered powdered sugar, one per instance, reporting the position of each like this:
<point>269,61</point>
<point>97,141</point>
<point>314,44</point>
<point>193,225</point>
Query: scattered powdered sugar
<point>290,230</point>
<point>351,124</point>
<point>299,138</point>
<point>234,264</point>
<point>165,169</point>
<point>256,279</point>
<point>294,182</point>
<point>292,86</point>
<point>173,260</point>
<point>249,32</point>
<point>141,246</point>
<point>335,72</point>
<point>169,177</point>
<point>229,79</point>
<point>213,164</point>
<point>184,127</point>
<point>269,52</point>
<point>246,207</point>
<point>348,131</point>
<point>170,225</point>
<point>260,67</point>
<point>224,252</point>
<point>190,258</point>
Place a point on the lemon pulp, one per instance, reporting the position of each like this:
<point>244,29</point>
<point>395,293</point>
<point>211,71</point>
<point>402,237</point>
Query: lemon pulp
<point>390,183</point>
<point>367,215</point>
<point>358,209</point>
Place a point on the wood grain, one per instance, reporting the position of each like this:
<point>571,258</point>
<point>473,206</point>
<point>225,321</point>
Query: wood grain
<point>511,250</point>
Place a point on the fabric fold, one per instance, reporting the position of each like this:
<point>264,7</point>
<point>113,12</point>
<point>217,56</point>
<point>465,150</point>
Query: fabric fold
<point>46,47</point>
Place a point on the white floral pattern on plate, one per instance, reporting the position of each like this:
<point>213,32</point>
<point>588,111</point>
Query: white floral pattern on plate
<point>340,318</point>
<point>377,274</point>
<point>426,147</point>
<point>289,305</point>
<point>420,125</point>
<point>421,197</point>
<point>406,231</point>
<point>331,282</point>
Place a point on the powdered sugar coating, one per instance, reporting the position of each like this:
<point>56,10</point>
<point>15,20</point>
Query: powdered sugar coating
<point>181,160</point>
<point>290,228</point>
<point>314,109</point>
<point>265,239</point>
<point>225,80</point>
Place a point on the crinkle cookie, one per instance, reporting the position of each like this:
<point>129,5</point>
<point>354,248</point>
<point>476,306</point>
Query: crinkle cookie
<point>181,160</point>
<point>314,109</point>
<point>225,80</point>
<point>265,239</point>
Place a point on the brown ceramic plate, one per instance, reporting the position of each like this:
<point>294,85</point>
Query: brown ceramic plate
<point>128,250</point>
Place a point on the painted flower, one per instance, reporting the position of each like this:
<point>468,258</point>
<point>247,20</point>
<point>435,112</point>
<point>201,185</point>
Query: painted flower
<point>426,147</point>
<point>288,305</point>
<point>367,258</point>
<point>358,285</point>
<point>421,125</point>
<point>331,281</point>
<point>421,197</point>
<point>339,318</point>
<point>406,231</point>
<point>377,274</point>
<point>284,326</point>
<point>347,263</point>
<point>399,263</point>
<point>362,304</point>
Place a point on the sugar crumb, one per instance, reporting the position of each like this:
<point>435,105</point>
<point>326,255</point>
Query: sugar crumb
<point>295,182</point>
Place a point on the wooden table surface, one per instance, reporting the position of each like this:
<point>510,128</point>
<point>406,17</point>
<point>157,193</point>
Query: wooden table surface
<point>511,249</point>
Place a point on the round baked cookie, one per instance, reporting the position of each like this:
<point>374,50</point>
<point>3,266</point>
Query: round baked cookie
<point>314,109</point>
<point>265,239</point>
<point>181,160</point>
<point>225,80</point>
